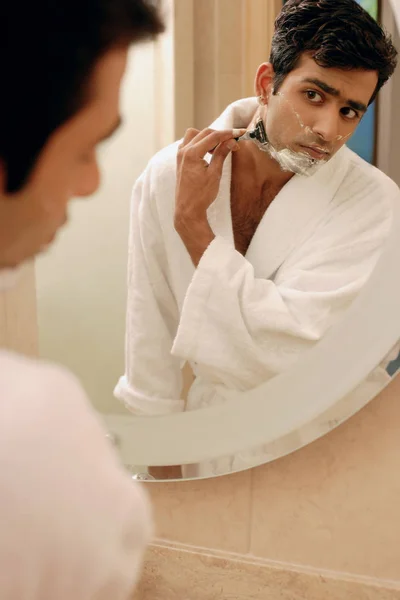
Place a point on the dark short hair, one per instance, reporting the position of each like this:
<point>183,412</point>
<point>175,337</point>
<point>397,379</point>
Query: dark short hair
<point>336,33</point>
<point>48,51</point>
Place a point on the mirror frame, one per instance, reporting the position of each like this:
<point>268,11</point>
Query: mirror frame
<point>321,378</point>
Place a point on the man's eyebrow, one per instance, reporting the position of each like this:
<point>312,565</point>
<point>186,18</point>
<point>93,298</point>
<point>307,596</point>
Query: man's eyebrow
<point>328,89</point>
<point>112,130</point>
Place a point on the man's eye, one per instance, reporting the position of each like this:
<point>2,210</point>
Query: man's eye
<point>313,96</point>
<point>350,113</point>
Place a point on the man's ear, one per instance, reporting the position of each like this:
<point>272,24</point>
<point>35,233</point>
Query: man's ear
<point>264,81</point>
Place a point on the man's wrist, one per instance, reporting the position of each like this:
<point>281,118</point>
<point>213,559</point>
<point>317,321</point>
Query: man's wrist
<point>196,234</point>
<point>192,222</point>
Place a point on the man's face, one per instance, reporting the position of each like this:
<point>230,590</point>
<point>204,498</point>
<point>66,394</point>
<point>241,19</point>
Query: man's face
<point>67,167</point>
<point>316,109</point>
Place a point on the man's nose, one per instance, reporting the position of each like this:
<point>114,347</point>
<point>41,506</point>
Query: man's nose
<point>328,126</point>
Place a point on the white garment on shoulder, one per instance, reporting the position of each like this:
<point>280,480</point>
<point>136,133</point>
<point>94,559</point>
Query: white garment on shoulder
<point>72,522</point>
<point>240,320</point>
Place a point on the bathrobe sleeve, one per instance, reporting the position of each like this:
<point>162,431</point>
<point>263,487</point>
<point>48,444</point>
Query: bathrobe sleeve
<point>246,329</point>
<point>152,382</point>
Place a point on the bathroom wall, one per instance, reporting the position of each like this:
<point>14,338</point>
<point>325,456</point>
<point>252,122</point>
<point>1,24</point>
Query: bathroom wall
<point>231,38</point>
<point>325,514</point>
<point>81,282</point>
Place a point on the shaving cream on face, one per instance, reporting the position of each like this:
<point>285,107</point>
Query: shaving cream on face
<point>288,160</point>
<point>297,162</point>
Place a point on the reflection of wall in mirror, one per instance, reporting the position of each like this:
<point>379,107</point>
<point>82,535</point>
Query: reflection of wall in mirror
<point>81,292</point>
<point>363,141</point>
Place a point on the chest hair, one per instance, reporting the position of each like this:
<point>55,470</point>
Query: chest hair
<point>247,209</point>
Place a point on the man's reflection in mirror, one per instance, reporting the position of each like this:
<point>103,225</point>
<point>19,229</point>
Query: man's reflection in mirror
<point>243,254</point>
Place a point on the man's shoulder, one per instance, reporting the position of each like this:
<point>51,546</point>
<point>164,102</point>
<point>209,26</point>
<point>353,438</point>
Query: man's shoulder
<point>12,362</point>
<point>363,176</point>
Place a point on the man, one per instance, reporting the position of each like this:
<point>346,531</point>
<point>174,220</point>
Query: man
<point>242,261</point>
<point>73,525</point>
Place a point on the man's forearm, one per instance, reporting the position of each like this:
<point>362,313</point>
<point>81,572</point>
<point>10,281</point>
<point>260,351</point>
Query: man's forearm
<point>196,235</point>
<point>198,183</point>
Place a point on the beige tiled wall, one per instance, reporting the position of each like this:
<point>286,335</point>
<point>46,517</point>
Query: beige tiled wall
<point>214,513</point>
<point>333,505</point>
<point>174,571</point>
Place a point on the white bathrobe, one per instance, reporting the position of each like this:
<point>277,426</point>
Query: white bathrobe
<point>73,524</point>
<point>240,320</point>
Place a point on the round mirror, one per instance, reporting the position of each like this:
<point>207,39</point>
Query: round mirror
<point>269,317</point>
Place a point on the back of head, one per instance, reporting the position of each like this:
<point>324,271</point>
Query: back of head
<point>336,33</point>
<point>48,51</point>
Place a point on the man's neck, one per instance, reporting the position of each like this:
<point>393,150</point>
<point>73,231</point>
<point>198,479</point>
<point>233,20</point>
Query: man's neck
<point>257,169</point>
